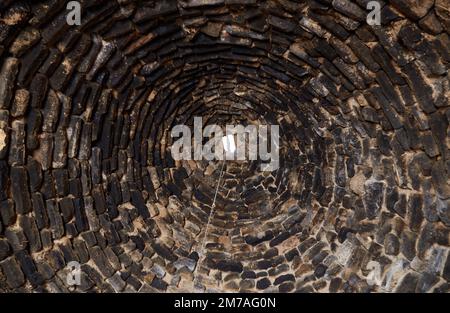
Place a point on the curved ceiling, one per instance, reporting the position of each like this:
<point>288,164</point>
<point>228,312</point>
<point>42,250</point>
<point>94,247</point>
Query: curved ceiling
<point>87,175</point>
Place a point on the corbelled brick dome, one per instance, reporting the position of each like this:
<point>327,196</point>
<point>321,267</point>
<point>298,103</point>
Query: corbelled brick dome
<point>359,203</point>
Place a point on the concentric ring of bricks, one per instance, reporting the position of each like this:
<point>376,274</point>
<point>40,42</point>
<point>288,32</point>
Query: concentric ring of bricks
<point>86,173</point>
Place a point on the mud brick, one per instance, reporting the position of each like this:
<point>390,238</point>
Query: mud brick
<point>89,238</point>
<point>73,168</point>
<point>48,186</point>
<point>7,212</point>
<point>161,8</point>
<point>349,9</point>
<point>406,95</point>
<point>16,239</point>
<point>112,235</point>
<point>90,213</point>
<point>112,257</point>
<point>80,48</point>
<point>88,60</point>
<point>5,249</point>
<point>439,180</point>
<point>125,191</point>
<point>33,126</point>
<point>60,149</point>
<point>66,106</point>
<point>164,252</point>
<point>364,54</point>
<point>17,150</point>
<point>40,213</point>
<point>263,283</point>
<point>393,48</point>
<point>67,209</point>
<point>100,260</point>
<point>46,239</point>
<point>410,36</point>
<point>113,211</point>
<point>344,51</point>
<point>81,250</point>
<point>73,133</point>
<point>75,187</point>
<point>325,49</point>
<point>106,137</point>
<point>390,114</point>
<point>45,270</point>
<point>52,61</point>
<point>408,283</point>
<point>80,216</point>
<point>373,197</point>
<point>412,9</point>
<point>56,259</point>
<point>61,178</point>
<point>84,152</point>
<point>229,266</point>
<point>114,189</point>
<point>442,43</point>
<point>439,125</point>
<point>61,76</point>
<point>330,24</point>
<point>93,275</point>
<point>35,174</point>
<point>29,268</point>
<point>429,144</point>
<point>7,79</point>
<point>383,59</point>
<point>159,284</point>
<point>80,99</point>
<point>4,177</point>
<point>31,231</point>
<point>446,270</point>
<point>71,230</point>
<point>31,63</point>
<point>86,178</point>
<point>21,195</point>
<point>96,166</point>
<point>67,43</point>
<point>56,221</point>
<point>13,273</point>
<point>421,90</point>
<point>70,87</point>
<point>134,283</point>
<point>57,28</point>
<point>20,102</point>
<point>117,283</point>
<point>99,200</point>
<point>279,239</point>
<point>38,90</point>
<point>390,92</point>
<point>350,73</point>
<point>138,202</point>
<point>68,253</point>
<point>46,150</point>
<point>51,112</point>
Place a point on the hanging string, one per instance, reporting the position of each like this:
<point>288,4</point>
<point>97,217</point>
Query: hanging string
<point>211,213</point>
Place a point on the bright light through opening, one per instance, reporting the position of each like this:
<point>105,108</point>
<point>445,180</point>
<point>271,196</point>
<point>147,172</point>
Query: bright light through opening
<point>228,143</point>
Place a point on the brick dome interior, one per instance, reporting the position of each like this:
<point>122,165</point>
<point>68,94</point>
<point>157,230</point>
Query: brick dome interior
<point>86,172</point>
